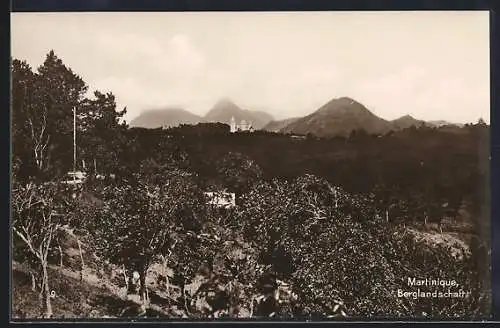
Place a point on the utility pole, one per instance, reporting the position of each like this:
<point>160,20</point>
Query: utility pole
<point>74,144</point>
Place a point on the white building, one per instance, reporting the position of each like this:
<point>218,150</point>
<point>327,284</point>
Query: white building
<point>243,126</point>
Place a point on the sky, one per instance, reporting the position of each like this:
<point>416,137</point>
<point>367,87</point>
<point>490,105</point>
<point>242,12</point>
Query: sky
<point>431,65</point>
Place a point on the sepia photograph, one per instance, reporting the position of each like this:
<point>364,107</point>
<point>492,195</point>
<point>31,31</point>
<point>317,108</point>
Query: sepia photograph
<point>203,166</point>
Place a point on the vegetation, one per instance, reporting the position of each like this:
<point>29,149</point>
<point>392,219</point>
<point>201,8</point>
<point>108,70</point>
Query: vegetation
<point>323,227</point>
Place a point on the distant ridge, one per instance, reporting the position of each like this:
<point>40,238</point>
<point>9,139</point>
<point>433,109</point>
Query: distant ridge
<point>167,117</point>
<point>407,121</point>
<point>221,112</point>
<point>440,123</point>
<point>276,126</point>
<point>225,109</point>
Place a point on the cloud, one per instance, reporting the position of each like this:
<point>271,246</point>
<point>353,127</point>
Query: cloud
<point>182,53</point>
<point>129,92</point>
<point>147,72</point>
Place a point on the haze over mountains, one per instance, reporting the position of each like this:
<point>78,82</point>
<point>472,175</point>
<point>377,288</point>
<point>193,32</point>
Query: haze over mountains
<point>167,117</point>
<point>225,109</point>
<point>339,116</point>
<point>221,112</point>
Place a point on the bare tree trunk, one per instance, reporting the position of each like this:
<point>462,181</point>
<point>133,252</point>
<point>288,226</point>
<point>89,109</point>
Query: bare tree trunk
<point>252,306</point>
<point>142,280</point>
<point>143,291</point>
<point>33,281</point>
<point>125,277</point>
<point>41,295</point>
<point>81,258</point>
<point>231,304</point>
<point>184,298</point>
<point>48,303</point>
<point>167,281</point>
<point>131,285</point>
<point>336,201</point>
<point>60,255</point>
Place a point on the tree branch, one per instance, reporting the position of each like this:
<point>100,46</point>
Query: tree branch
<point>27,241</point>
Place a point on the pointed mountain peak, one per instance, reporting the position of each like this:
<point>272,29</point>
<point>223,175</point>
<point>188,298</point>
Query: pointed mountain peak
<point>406,117</point>
<point>225,111</point>
<point>225,103</point>
<point>339,116</point>
<point>346,100</point>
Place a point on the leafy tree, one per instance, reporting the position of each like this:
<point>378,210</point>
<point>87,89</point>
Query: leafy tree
<point>101,132</point>
<point>30,134</point>
<point>60,91</point>
<point>42,108</point>
<point>138,226</point>
<point>318,238</point>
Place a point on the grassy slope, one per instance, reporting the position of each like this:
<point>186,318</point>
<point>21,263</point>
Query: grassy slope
<point>101,293</point>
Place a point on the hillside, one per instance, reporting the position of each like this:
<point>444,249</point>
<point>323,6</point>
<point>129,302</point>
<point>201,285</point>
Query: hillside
<point>99,289</point>
<point>167,117</point>
<point>225,109</point>
<point>276,126</point>
<point>339,116</point>
<point>405,122</point>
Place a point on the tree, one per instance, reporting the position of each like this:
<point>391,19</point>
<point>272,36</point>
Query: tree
<point>60,91</point>
<point>320,237</point>
<point>481,122</point>
<point>39,211</point>
<point>140,224</point>
<point>29,137</point>
<point>42,106</point>
<point>238,172</point>
<point>101,132</point>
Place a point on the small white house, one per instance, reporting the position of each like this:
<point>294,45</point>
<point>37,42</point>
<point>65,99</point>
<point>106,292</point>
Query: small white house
<point>77,177</point>
<point>221,199</point>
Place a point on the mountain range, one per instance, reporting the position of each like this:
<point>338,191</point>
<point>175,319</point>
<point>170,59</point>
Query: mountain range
<point>339,116</point>
<point>167,117</point>
<point>221,112</point>
<point>225,109</point>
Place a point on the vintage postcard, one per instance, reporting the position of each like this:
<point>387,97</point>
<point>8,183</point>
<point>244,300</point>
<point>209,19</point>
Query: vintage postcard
<point>250,165</point>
